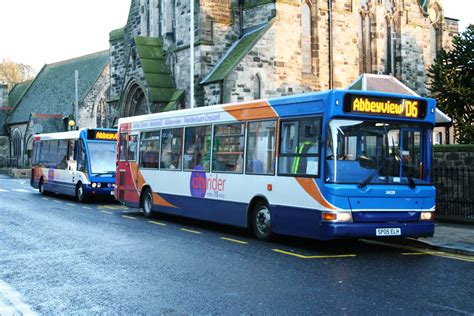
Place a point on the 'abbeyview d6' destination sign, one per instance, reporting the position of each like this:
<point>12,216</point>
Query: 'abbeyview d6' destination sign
<point>398,107</point>
<point>101,135</point>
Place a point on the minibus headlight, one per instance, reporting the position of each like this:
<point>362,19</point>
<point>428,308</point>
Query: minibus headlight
<point>337,216</point>
<point>94,184</point>
<point>427,216</point>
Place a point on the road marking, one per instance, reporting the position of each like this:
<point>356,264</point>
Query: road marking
<point>70,204</point>
<point>87,207</point>
<point>312,257</point>
<point>46,199</point>
<point>14,298</point>
<point>190,231</point>
<point>112,207</point>
<point>423,251</point>
<point>234,240</point>
<point>2,190</point>
<point>157,223</point>
<point>129,217</point>
<point>56,201</point>
<point>20,190</point>
<point>106,212</point>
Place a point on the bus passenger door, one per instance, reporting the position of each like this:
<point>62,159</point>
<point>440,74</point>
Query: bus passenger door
<point>132,194</point>
<point>121,174</point>
<point>127,176</point>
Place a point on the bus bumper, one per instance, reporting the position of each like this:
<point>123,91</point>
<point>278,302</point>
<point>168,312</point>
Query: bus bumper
<point>99,191</point>
<point>329,230</point>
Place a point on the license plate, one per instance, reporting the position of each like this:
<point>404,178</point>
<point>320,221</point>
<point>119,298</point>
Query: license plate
<point>388,231</point>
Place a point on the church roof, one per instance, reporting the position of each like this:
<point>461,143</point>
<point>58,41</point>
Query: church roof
<point>390,84</point>
<point>17,92</point>
<point>236,53</point>
<point>161,88</point>
<point>53,89</point>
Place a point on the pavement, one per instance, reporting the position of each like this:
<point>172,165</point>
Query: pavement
<point>456,238</point>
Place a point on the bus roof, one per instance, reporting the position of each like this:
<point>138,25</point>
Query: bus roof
<point>260,109</point>
<point>66,135</point>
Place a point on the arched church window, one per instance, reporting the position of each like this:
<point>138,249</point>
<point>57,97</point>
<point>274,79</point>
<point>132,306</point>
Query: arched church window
<point>257,87</point>
<point>365,41</point>
<point>16,143</point>
<point>389,47</point>
<point>306,66</point>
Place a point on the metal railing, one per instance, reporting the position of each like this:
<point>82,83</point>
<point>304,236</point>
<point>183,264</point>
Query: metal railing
<point>454,194</point>
<point>10,162</point>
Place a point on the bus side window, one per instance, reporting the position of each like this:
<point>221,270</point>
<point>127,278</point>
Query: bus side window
<point>132,147</point>
<point>228,152</point>
<point>44,153</point>
<point>300,147</point>
<point>81,158</point>
<point>197,146</point>
<point>71,162</point>
<point>260,148</point>
<point>123,146</point>
<point>171,147</point>
<point>150,149</point>
<point>37,149</point>
<point>61,159</point>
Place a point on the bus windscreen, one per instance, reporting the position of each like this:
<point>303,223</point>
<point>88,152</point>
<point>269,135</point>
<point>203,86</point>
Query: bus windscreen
<point>102,157</point>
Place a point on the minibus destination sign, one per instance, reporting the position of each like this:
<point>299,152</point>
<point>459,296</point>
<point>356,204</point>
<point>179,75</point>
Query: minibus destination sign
<point>398,107</point>
<point>101,135</point>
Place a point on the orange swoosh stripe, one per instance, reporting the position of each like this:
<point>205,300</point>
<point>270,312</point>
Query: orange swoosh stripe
<point>251,111</point>
<point>157,199</point>
<point>312,189</point>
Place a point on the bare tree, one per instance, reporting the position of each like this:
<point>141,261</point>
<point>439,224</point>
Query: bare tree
<point>12,73</point>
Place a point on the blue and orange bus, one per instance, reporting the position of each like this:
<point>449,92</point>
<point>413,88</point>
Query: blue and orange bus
<point>333,164</point>
<point>79,163</point>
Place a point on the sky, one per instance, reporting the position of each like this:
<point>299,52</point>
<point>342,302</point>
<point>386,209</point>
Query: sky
<point>37,32</point>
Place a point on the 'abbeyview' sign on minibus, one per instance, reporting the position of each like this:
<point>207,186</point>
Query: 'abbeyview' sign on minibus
<point>397,107</point>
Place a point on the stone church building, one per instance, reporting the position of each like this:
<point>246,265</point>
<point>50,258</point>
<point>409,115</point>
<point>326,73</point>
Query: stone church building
<point>250,49</point>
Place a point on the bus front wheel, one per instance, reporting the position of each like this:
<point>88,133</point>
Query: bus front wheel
<point>81,195</point>
<point>147,203</point>
<point>41,187</point>
<point>262,221</point>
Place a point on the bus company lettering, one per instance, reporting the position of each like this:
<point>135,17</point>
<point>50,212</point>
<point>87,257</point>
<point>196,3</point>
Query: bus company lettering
<point>407,108</point>
<point>200,185</point>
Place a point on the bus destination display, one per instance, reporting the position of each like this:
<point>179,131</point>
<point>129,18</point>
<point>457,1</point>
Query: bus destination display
<point>101,135</point>
<point>406,108</point>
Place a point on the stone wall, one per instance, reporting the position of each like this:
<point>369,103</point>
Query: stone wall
<point>3,95</point>
<point>89,108</point>
<point>4,148</point>
<point>454,156</point>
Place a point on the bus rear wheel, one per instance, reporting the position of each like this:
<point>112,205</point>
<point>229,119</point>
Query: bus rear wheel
<point>262,221</point>
<point>81,195</point>
<point>147,203</point>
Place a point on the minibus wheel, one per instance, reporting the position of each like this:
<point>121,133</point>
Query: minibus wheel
<point>262,221</point>
<point>147,202</point>
<point>41,187</point>
<point>81,195</point>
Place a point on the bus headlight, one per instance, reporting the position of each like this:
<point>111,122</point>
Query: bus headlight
<point>427,216</point>
<point>93,184</point>
<point>99,184</point>
<point>109,185</point>
<point>337,216</point>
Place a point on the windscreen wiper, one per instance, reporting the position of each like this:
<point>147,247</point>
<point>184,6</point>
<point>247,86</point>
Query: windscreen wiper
<point>371,176</point>
<point>411,182</point>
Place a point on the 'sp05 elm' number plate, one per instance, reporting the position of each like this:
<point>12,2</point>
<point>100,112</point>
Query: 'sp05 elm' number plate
<point>388,232</point>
